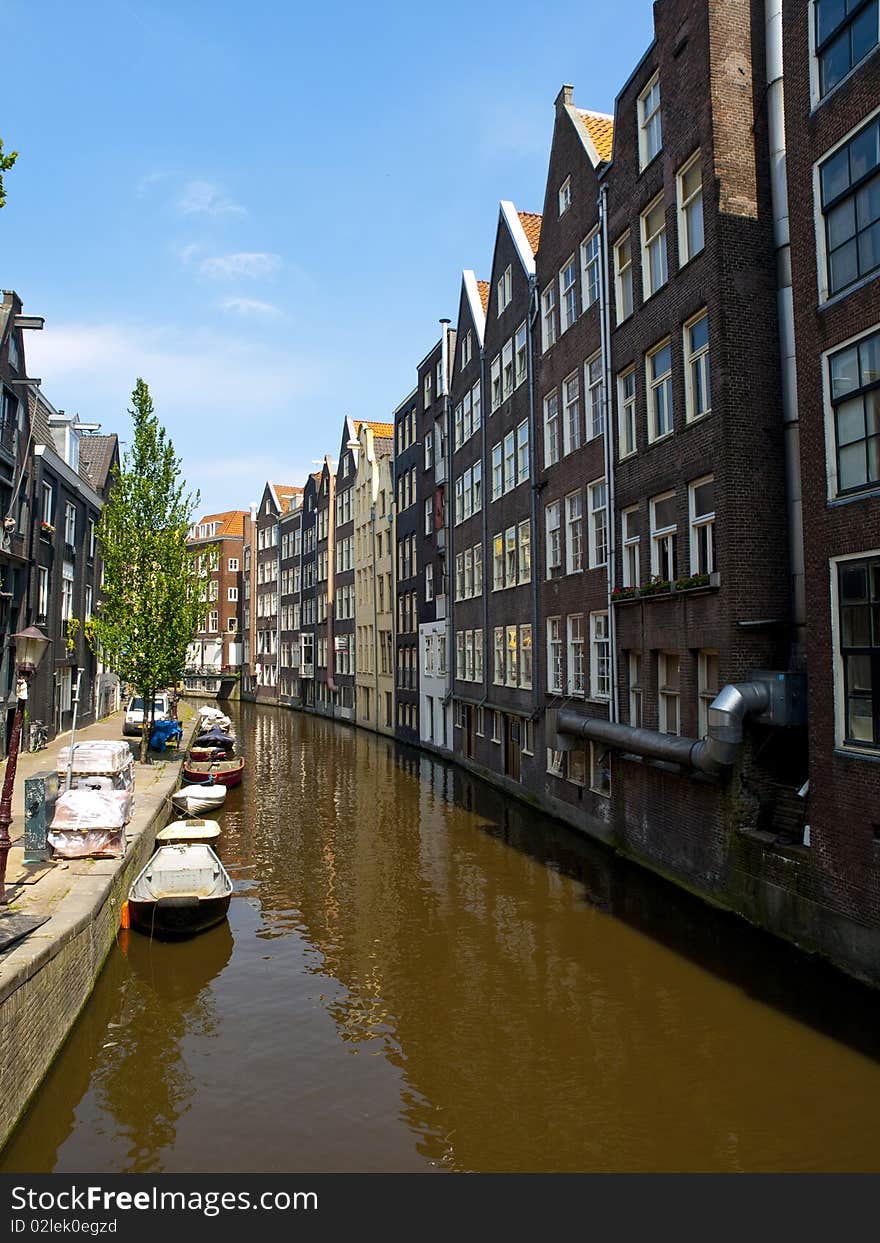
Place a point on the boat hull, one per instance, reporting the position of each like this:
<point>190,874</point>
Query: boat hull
<point>177,916</point>
<point>226,772</point>
<point>193,800</point>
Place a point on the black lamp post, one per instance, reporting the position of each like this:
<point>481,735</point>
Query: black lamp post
<point>30,647</point>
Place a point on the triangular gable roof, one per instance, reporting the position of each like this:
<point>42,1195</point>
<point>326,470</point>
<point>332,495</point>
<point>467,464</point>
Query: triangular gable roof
<point>281,494</point>
<point>531,223</point>
<point>521,240</point>
<point>382,431</point>
<point>473,291</point>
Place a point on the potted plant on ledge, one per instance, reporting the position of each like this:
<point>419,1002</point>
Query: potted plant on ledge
<point>694,580</point>
<point>655,585</point>
<point>623,593</point>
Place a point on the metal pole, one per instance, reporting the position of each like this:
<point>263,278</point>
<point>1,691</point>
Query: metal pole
<point>69,778</point>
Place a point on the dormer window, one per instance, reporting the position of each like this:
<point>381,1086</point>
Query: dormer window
<point>565,196</point>
<point>71,447</point>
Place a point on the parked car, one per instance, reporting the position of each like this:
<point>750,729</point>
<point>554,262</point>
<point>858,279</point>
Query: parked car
<point>134,713</point>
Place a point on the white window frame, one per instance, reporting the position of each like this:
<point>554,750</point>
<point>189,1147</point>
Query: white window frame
<point>597,519</point>
<point>697,371</point>
<point>525,645</point>
<point>495,384</point>
<point>688,205</point>
<point>523,456</point>
<point>600,656</point>
<point>665,537</point>
<point>627,433</point>
<point>548,317</point>
<point>655,260</point>
<point>572,435</point>
<point>623,278</point>
<point>554,655</point>
<point>648,112</point>
<point>668,694</point>
<point>552,429</point>
<point>631,545</point>
<point>505,290</point>
<point>568,305</point>
<point>594,397</point>
<point>574,532</point>
<point>520,355</point>
<point>706,691</point>
<point>591,252</point>
<point>697,524</point>
<point>576,667</point>
<point>654,385</point>
<point>564,198</point>
<point>553,538</point>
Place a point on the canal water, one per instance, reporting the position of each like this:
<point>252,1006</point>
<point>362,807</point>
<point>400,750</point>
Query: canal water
<point>419,974</point>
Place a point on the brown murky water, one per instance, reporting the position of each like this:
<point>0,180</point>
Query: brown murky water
<point>418,974</point>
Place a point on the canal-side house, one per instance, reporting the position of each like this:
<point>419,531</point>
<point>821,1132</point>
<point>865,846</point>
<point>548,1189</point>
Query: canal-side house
<point>341,640</point>
<point>435,715</point>
<point>406,510</point>
<point>99,461</point>
<point>14,495</point>
<point>267,617</point>
<point>290,690</point>
<point>325,697</point>
<point>508,578</point>
<point>830,149</point>
<point>308,578</point>
<point>374,541</point>
<point>218,541</point>
<point>65,565</point>
<point>697,493</point>
<point>468,535</point>
<point>572,539</point>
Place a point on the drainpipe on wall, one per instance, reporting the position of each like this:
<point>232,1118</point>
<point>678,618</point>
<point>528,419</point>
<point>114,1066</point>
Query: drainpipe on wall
<point>608,446</point>
<point>484,523</point>
<point>278,607</point>
<point>785,313</point>
<point>533,515</point>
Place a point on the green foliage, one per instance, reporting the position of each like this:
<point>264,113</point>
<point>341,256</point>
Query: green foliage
<point>6,162</point>
<point>72,632</point>
<point>154,592</point>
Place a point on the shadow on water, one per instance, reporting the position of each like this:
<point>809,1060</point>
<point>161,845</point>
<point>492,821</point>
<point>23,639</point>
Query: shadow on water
<point>763,967</point>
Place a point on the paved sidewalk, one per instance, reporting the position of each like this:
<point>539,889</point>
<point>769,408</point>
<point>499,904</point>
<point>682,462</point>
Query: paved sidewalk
<point>46,978</point>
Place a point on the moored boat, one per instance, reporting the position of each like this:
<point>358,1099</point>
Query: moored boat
<point>183,890</point>
<point>203,796</point>
<point>227,772</point>
<point>186,832</point>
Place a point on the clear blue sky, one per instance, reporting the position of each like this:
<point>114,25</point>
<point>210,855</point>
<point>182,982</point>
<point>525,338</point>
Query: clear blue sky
<point>264,208</point>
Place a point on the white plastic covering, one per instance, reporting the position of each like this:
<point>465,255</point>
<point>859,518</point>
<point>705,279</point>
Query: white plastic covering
<point>89,823</point>
<point>104,756</point>
<point>213,718</point>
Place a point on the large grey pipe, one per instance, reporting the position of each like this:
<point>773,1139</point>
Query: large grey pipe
<point>711,755</point>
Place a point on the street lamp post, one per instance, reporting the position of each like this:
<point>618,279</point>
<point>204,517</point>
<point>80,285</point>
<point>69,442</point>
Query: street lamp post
<point>30,646</point>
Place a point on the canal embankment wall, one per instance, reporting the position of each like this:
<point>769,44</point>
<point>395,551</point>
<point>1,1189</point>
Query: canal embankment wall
<point>47,978</point>
<point>774,887</point>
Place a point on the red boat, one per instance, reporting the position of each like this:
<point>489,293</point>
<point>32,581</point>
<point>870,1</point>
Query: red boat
<point>226,772</point>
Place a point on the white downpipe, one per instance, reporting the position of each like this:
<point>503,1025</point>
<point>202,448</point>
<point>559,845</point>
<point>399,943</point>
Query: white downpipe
<point>611,520</point>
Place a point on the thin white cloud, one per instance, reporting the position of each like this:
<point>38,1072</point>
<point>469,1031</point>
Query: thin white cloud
<point>202,198</point>
<point>188,252</point>
<point>150,179</point>
<point>248,306</point>
<point>253,264</point>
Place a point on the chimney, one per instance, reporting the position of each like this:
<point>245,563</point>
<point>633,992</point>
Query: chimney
<point>565,98</point>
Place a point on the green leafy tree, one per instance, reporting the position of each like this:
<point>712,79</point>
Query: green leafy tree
<point>6,162</point>
<point>154,591</point>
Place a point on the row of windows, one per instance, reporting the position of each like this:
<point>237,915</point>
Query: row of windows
<point>572,766</point>
<point>468,415</point>
<point>567,424</point>
<point>570,670</point>
<point>664,552</point>
<point>508,368</point>
<point>510,461</point>
<point>667,674</point>
<point>659,403</point>
<point>512,557</point>
<point>469,573</point>
<point>512,656</point>
<point>469,655</point>
<point>565,545</point>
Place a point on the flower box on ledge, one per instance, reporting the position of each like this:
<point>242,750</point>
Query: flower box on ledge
<point>656,587</point>
<point>695,580</point>
<point>623,593</point>
<point>46,528</point>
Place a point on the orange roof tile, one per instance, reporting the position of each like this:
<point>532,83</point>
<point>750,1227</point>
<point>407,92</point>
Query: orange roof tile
<point>383,430</point>
<point>531,223</point>
<point>231,520</point>
<point>601,129</point>
<point>483,287</point>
